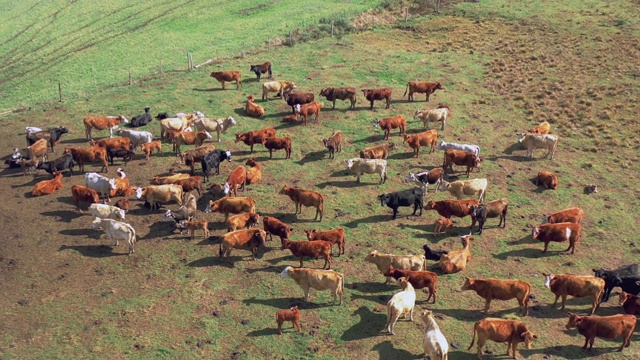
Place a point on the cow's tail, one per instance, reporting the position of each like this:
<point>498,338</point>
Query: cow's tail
<point>406,90</point>
<point>473,339</point>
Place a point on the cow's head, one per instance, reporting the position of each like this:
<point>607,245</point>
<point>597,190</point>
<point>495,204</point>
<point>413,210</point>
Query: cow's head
<point>232,121</point>
<point>574,321</point>
<point>121,173</point>
<point>140,192</point>
<point>441,145</point>
<point>535,231</point>
<point>228,154</point>
<point>376,122</point>
<point>255,68</point>
<point>466,240</point>
<point>418,113</point>
<point>372,256</point>
<point>285,272</point>
<point>547,280</point>
<point>120,214</point>
<point>63,130</point>
<point>404,283</point>
<point>286,230</point>
<point>260,236</point>
<point>444,185</point>
<point>438,86</point>
<point>285,190</point>
<point>390,271</point>
<point>206,133</point>
<point>95,225</point>
<point>411,178</point>
<point>527,337</point>
<point>112,184</point>
<point>213,206</point>
<point>599,272</point>
<point>521,137</point>
<point>473,210</point>
<point>310,233</point>
<point>226,188</point>
<point>297,108</point>
<point>325,142</point>
<point>349,163</point>
<point>384,199</point>
<point>468,284</point>
<point>622,297</point>
<point>324,92</point>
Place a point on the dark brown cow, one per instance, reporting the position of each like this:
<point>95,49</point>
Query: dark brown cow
<point>333,94</point>
<point>255,137</point>
<point>264,68</point>
<point>422,87</point>
<point>449,208</point>
<point>313,249</point>
<point>459,157</point>
<point>606,327</point>
<point>190,184</point>
<point>195,156</point>
<point>547,179</point>
<point>276,144</point>
<point>334,236</point>
<point>273,226</point>
<point>417,279</point>
<point>377,94</point>
<point>224,76</point>
<point>559,232</point>
<point>295,98</point>
<point>630,303</point>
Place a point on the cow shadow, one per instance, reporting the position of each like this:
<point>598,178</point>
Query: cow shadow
<point>373,139</point>
<point>63,215</point>
<point>513,147</point>
<point>369,325</point>
<point>402,156</point>
<point>90,233</point>
<point>286,125</point>
<point>211,261</point>
<point>281,115</point>
<point>266,332</point>
<point>569,351</point>
<point>79,140</point>
<point>387,351</point>
<point>266,269</point>
<point>368,220</point>
<point>475,313</point>
<point>94,251</point>
<point>528,253</point>
<point>345,184</point>
<point>159,229</point>
<point>282,303</point>
<point>370,287</point>
<point>34,181</point>
<point>208,90</point>
<point>341,173</point>
<point>312,156</point>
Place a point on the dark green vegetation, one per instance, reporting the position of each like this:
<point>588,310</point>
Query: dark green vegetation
<point>506,67</point>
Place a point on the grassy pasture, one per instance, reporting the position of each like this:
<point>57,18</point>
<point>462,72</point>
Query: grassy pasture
<point>506,67</point>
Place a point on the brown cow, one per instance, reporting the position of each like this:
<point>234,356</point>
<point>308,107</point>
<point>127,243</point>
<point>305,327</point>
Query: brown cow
<point>440,224</point>
<point>254,173</point>
<point>242,221</point>
<point>253,109</point>
<point>422,87</point>
<point>276,144</point>
<point>101,123</point>
<point>273,226</point>
<point>190,184</point>
<point>84,194</point>
<point>547,179</point>
<point>606,327</point>
<point>426,138</point>
<point>377,94</point>
<point>305,197</point>
<point>292,315</point>
<point>119,143</point>
<point>387,124</point>
<point>238,177</point>
<point>148,148</point>
<point>123,204</point>
<point>255,137</point>
<point>630,303</point>
<point>576,286</point>
<point>314,249</point>
<point>309,109</point>
<point>165,180</point>
<point>196,138</point>
<point>493,209</point>
<point>192,226</point>
<point>232,205</point>
<point>47,187</point>
<point>380,151</point>
<point>541,129</point>
<point>449,208</point>
<point>417,279</point>
<point>333,143</point>
<point>92,154</point>
<point>559,232</point>
<point>224,76</point>
<point>459,157</point>
<point>334,236</point>
<point>572,215</point>
<point>456,260</point>
<point>495,289</point>
<point>512,332</point>
<point>249,239</point>
<point>195,156</point>
<point>264,68</point>
<point>333,94</point>
<point>294,99</point>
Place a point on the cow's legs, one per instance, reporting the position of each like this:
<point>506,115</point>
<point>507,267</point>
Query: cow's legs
<point>564,298</point>
<point>487,304</point>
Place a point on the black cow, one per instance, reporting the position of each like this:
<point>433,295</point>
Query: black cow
<point>213,160</point>
<point>403,198</point>
<point>13,163</point>
<point>58,165</point>
<point>141,120</point>
<point>433,254</point>
<point>162,116</point>
<point>262,69</point>
<point>294,99</point>
<point>53,135</point>
<point>625,277</point>
<point>126,155</point>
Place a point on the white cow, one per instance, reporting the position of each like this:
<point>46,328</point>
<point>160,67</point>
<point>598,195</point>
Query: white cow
<point>432,115</point>
<point>116,230</point>
<point>455,146</point>
<point>217,125</point>
<point>465,187</point>
<point>136,137</point>
<point>32,129</point>
<point>536,141</point>
<point>435,344</point>
<point>99,183</point>
<point>400,304</point>
<point>197,114</point>
<point>105,211</point>
<point>360,166</point>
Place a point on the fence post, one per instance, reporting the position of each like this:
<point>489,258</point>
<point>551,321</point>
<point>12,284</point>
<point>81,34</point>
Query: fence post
<point>130,77</point>
<point>332,29</point>
<point>60,91</point>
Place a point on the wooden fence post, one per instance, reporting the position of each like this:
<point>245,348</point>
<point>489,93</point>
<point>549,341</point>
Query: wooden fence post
<point>130,77</point>
<point>60,91</point>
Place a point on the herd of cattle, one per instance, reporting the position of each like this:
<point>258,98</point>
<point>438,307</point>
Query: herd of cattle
<point>243,232</point>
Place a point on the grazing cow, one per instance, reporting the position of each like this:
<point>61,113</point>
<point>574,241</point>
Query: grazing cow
<point>38,150</point>
<point>126,155</point>
<point>533,141</point>
<point>419,280</point>
<point>249,239</point>
<point>443,145</point>
<point>53,136</point>
<point>465,187</point>
<point>294,99</point>
<point>576,286</point>
<point>512,332</point>
<point>377,94</point>
<point>273,226</point>
<point>456,260</point>
<point>559,232</point>
<point>238,177</point>
<point>426,138</point>
<point>458,157</point>
<point>177,123</point>
<point>276,144</point>
<point>434,343</point>
<point>572,215</point>
<point>440,114</point>
<point>224,76</point>
<point>442,224</point>
<point>433,176</point>
<point>217,125</point>
<point>242,221</point>
<point>431,254</point>
<point>279,87</point>
<point>190,184</point>
<point>190,138</point>
<point>252,109</point>
<point>123,204</point>
<point>213,160</point>
<point>403,262</point>
<point>541,129</point>
<point>194,156</point>
<point>142,119</point>
<point>136,137</point>
<point>630,303</point>
<point>305,197</point>
<point>606,327</point>
<point>104,211</point>
<point>254,173</point>
<point>390,123</point>
<point>255,137</point>
<point>449,208</point>
<point>547,179</point>
<point>333,143</point>
<point>101,184</point>
<point>264,68</point>
<point>334,236</point>
<point>116,230</point>
<point>399,305</point>
<point>316,279</point>
<point>314,249</point>
<point>368,166</point>
<point>292,314</point>
<point>493,209</point>
<point>47,187</point>
<point>84,194</point>
<point>309,109</point>
<point>160,193</point>
<point>403,198</point>
<point>102,123</point>
<point>92,154</point>
<point>164,180</point>
<point>495,289</point>
<point>192,226</point>
<point>422,87</point>
<point>332,94</point>
<point>58,165</point>
<point>229,205</point>
<point>148,148</point>
<point>380,151</point>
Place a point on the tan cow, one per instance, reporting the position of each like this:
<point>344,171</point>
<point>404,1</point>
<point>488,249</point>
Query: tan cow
<point>224,76</point>
<point>316,279</point>
<point>495,289</point>
<point>465,187</point>
<point>232,205</point>
<point>456,260</point>
<point>576,286</point>
<point>512,332</point>
<point>249,239</point>
<point>433,115</point>
<point>160,193</point>
<point>426,138</point>
<point>403,262</point>
<point>101,123</point>
<point>164,180</point>
<point>280,87</point>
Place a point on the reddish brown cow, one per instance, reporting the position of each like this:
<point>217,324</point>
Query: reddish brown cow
<point>224,76</point>
<point>249,239</point>
<point>190,184</point>
<point>273,226</point>
<point>417,279</point>
<point>92,154</point>
<point>238,177</point>
<point>449,208</point>
<point>123,204</point>
<point>314,249</point>
<point>377,94</point>
<point>255,137</point>
<point>630,303</point>
<point>390,123</point>
<point>380,151</point>
<point>547,179</point>
<point>47,187</point>
<point>334,236</point>
<point>292,315</point>
<point>148,148</point>
<point>426,138</point>
<point>333,94</point>
<point>576,286</point>
<point>84,194</point>
<point>253,109</point>
<point>440,224</point>
<point>559,232</point>
<point>512,332</point>
<point>495,289</point>
<point>309,109</point>
<point>606,327</point>
<point>305,197</point>
<point>119,143</point>
<point>276,144</point>
<point>294,99</point>
<point>459,157</point>
<point>572,215</point>
<point>242,221</point>
<point>422,87</point>
<point>101,123</point>
<point>333,143</point>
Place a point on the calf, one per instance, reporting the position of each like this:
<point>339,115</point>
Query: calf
<point>224,76</point>
<point>126,155</point>
<point>276,144</point>
<point>309,109</point>
<point>316,279</point>
<point>380,151</point>
<point>37,150</point>
<point>434,343</point>
<point>426,280</point>
<point>433,176</point>
<point>559,232</point>
<point>458,157</point>
<point>404,262</point>
<point>368,166</point>
<point>533,141</point>
<point>630,303</point>
<point>192,226</point>
<point>292,315</point>
<point>449,208</point>
<point>442,224</point>
<point>493,209</point>
<point>249,239</point>
<point>572,215</point>
<point>547,179</point>
<point>495,289</point>
<point>403,198</point>
<point>390,123</point>
<point>332,94</point>
<point>84,194</point>
<point>512,332</point>
<point>541,129</point>
<point>426,138</point>
<point>255,137</point>
<point>377,94</point>
<point>252,109</point>
<point>576,286</point>
<point>273,226</point>
<point>431,254</point>
<point>422,87</point>
<point>333,143</point>
<point>399,305</point>
<point>314,249</point>
<point>334,236</point>
<point>28,165</point>
<point>242,221</point>
<point>606,327</point>
<point>305,197</point>
<point>294,99</point>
